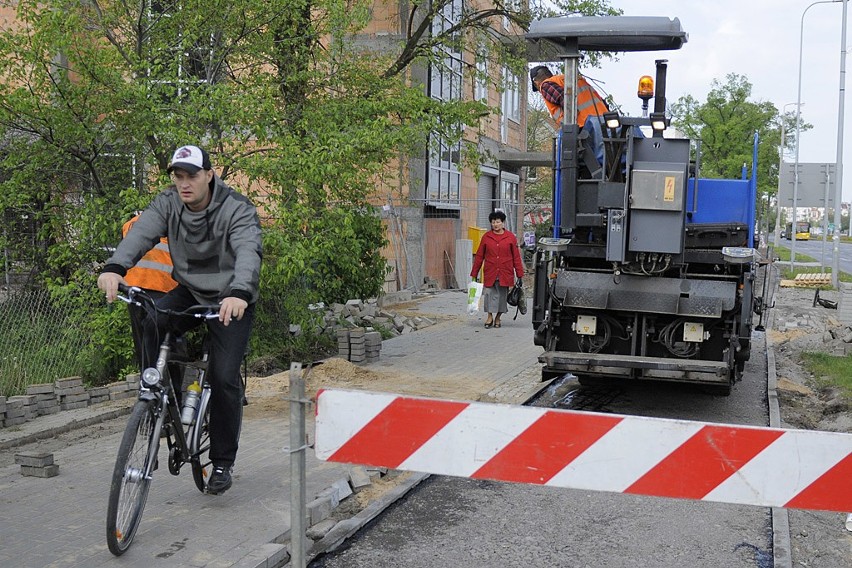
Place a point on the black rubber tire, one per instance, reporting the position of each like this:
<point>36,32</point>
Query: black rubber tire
<point>129,489</point>
<point>718,390</point>
<point>199,444</point>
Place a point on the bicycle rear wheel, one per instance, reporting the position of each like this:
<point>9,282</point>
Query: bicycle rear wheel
<point>129,489</point>
<point>199,444</point>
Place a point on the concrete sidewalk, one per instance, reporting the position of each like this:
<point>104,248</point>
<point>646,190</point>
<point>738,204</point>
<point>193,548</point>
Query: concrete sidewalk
<point>60,521</point>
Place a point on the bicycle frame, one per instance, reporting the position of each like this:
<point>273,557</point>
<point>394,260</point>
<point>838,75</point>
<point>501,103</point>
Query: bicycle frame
<point>164,393</point>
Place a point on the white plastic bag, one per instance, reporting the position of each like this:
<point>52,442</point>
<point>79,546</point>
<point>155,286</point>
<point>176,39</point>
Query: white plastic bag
<point>474,295</point>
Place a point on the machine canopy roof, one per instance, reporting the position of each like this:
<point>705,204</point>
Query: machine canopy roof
<point>569,34</point>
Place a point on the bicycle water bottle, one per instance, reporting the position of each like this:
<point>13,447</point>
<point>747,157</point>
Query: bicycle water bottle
<point>189,404</point>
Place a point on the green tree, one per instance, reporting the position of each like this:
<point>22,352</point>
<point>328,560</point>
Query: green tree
<point>726,122</point>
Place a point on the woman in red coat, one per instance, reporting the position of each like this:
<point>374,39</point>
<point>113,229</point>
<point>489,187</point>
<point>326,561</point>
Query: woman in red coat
<point>499,249</point>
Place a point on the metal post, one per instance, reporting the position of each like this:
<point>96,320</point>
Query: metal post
<point>798,121</point>
<point>838,195</point>
<point>6,262</point>
<point>825,216</point>
<point>780,167</point>
<point>777,240</point>
<point>298,506</point>
<point>569,103</point>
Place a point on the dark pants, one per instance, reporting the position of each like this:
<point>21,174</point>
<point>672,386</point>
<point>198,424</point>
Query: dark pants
<point>137,319</point>
<point>227,347</point>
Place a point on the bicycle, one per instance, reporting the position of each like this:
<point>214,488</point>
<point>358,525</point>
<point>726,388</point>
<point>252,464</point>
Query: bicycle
<point>157,407</point>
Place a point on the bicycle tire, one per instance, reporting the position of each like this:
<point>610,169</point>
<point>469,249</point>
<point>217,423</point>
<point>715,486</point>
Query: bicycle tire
<point>199,444</point>
<point>129,489</point>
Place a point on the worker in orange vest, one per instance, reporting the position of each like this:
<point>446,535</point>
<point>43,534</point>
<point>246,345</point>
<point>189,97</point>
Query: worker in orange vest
<point>552,89</point>
<point>153,273</point>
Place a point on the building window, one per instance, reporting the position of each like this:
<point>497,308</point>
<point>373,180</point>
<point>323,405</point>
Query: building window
<point>511,96</point>
<point>444,174</point>
<point>510,104</point>
<point>445,84</point>
<point>507,200</point>
<point>480,80</point>
<point>174,72</point>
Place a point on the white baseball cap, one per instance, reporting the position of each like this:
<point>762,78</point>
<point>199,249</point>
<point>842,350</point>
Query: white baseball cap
<point>191,159</point>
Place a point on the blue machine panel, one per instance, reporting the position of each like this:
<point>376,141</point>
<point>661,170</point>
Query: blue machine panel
<point>719,201</point>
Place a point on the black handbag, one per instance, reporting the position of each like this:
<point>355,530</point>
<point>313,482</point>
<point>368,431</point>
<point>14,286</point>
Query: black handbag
<point>516,294</point>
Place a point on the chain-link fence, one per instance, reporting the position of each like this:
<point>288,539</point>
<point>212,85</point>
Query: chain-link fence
<point>39,341</point>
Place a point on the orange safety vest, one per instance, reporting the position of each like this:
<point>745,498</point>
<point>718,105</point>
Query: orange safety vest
<point>589,102</point>
<point>154,270</point>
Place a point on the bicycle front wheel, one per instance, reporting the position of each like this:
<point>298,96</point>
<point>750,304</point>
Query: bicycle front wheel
<point>199,443</point>
<point>129,489</point>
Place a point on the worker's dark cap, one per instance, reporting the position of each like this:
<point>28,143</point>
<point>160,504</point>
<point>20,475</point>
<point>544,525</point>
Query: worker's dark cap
<point>534,73</point>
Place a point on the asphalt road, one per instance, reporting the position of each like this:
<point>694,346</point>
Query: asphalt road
<point>472,524</point>
<point>823,252</point>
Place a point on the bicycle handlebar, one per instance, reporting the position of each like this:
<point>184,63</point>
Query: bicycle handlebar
<point>138,296</point>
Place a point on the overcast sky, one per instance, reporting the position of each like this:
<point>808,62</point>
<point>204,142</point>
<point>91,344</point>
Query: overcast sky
<point>760,40</point>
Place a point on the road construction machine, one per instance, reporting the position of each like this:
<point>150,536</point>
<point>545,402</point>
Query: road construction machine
<point>649,274</point>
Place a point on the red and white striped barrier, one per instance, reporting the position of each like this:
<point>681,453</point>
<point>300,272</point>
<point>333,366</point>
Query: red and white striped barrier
<point>800,469</point>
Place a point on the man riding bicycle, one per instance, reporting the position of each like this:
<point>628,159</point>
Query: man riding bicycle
<point>215,244</point>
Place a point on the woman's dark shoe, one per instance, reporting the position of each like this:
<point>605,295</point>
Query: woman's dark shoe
<point>489,323</point>
<point>497,323</point>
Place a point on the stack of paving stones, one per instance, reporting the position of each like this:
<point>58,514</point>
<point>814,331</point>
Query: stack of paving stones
<point>357,346</point>
<point>128,388</point>
<point>98,395</point>
<point>65,394</point>
<point>35,464</point>
<point>356,325</point>
<point>46,400</point>
<point>343,343</point>
<point>372,346</point>
<point>16,414</point>
<point>368,314</point>
<point>72,394</point>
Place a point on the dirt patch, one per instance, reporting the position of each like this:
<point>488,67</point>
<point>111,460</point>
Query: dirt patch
<point>798,327</point>
<point>818,538</point>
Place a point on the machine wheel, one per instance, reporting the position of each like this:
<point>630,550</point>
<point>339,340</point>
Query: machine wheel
<point>718,390</point>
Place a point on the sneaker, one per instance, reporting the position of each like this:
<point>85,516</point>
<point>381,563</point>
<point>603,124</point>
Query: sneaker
<point>220,480</point>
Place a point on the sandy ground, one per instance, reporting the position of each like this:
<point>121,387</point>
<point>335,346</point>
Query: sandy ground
<point>797,327</point>
<point>270,394</point>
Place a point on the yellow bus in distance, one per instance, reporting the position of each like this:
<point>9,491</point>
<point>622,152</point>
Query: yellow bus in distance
<point>803,231</point>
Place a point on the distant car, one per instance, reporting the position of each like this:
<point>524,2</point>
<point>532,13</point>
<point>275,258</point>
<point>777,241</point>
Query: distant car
<point>783,234</point>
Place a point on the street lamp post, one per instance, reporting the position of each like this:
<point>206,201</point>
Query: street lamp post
<point>838,193</point>
<point>780,168</point>
<point>799,121</point>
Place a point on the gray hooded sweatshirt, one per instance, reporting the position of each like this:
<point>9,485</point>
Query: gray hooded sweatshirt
<point>216,252</point>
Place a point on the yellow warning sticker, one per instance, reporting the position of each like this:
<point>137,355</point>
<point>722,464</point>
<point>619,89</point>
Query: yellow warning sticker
<point>669,193</point>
